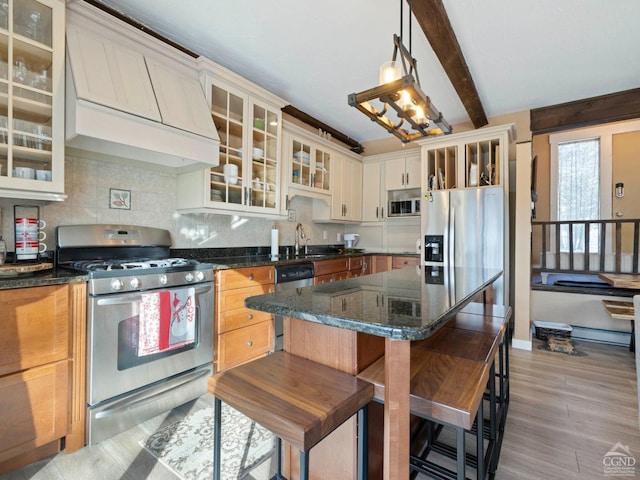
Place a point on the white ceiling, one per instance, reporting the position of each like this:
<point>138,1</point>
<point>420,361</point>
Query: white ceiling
<point>521,53</point>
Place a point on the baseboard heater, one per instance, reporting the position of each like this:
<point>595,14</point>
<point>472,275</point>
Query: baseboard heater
<point>611,337</point>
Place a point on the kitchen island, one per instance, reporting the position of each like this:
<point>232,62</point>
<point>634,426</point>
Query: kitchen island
<point>395,307</point>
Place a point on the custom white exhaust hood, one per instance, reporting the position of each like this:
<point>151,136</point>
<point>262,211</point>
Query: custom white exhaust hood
<point>130,96</point>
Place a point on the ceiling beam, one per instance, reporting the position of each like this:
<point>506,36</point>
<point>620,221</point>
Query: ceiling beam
<point>613,107</point>
<point>434,21</point>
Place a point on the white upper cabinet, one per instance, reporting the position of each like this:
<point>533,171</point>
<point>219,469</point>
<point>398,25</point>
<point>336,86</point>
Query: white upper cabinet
<point>310,165</point>
<point>345,203</point>
<point>133,96</point>
<point>249,123</point>
<point>32,99</point>
<point>347,191</point>
<point>403,172</point>
<point>471,159</point>
<point>374,195</point>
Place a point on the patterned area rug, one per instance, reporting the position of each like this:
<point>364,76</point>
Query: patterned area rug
<point>186,447</point>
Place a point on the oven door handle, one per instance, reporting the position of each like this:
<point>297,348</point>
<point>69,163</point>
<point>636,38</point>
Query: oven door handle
<point>146,397</point>
<point>135,297</point>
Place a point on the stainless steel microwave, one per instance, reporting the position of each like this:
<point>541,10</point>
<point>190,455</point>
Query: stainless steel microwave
<point>398,208</point>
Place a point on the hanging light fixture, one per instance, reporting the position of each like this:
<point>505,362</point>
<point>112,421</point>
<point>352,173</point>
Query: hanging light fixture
<point>400,91</point>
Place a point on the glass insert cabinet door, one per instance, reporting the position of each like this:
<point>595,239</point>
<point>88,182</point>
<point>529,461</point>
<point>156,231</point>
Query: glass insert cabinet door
<point>264,157</point>
<point>311,166</point>
<point>26,99</point>
<point>227,109</point>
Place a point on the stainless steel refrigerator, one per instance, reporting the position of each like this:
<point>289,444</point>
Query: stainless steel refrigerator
<point>465,228</point>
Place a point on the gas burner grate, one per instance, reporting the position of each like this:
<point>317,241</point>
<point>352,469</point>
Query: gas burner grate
<point>130,264</point>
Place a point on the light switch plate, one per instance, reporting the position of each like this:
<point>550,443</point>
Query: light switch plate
<point>292,215</point>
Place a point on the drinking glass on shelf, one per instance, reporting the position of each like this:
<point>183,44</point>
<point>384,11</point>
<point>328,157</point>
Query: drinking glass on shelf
<point>32,25</point>
<point>43,79</point>
<point>20,70</point>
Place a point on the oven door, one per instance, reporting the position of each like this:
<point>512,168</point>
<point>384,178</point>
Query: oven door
<point>119,359</point>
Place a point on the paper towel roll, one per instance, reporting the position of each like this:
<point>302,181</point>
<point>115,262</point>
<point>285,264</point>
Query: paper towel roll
<point>274,242</point>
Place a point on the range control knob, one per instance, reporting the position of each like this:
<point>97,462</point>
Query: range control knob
<point>117,284</point>
<point>188,277</point>
<point>134,282</point>
<point>162,279</point>
<point>199,276</point>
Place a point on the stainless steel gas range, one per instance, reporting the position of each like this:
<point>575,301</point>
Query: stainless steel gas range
<point>150,323</point>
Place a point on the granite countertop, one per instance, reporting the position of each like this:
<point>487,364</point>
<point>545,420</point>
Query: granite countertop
<point>220,263</point>
<point>37,279</point>
<point>219,258</point>
<point>229,258</point>
<point>404,304</point>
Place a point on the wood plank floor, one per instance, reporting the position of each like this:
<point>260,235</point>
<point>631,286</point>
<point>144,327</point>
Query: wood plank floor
<point>566,413</point>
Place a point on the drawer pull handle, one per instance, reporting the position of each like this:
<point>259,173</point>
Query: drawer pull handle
<point>250,343</point>
<point>251,276</point>
<point>250,316</point>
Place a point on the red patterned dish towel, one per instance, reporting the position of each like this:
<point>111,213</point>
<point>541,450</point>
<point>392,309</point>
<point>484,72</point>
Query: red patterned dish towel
<point>167,320</point>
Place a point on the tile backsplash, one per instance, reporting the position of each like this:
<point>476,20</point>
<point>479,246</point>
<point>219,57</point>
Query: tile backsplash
<point>153,203</point>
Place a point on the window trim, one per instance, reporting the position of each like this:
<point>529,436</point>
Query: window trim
<point>605,134</point>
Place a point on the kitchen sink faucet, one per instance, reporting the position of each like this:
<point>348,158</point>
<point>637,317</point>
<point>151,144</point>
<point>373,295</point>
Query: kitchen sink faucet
<point>299,235</point>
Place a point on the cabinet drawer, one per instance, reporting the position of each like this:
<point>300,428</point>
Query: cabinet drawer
<point>244,344</point>
<point>332,277</point>
<point>401,262</point>
<point>34,408</point>
<point>356,263</point>
<point>244,277</point>
<point>325,267</point>
<point>242,317</point>
<point>35,327</point>
<point>234,299</point>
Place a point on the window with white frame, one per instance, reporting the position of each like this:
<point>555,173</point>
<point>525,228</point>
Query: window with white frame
<point>578,187</point>
<point>580,180</point>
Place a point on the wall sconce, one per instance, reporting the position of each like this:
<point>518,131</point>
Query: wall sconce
<point>619,190</point>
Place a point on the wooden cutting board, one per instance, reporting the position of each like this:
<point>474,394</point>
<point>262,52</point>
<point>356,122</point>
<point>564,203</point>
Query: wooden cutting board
<point>13,269</point>
<point>621,280</point>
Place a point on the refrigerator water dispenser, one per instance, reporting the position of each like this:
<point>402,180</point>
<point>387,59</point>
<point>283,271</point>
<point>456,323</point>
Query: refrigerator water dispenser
<point>434,248</point>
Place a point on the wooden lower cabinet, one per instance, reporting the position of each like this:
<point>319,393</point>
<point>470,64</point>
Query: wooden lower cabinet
<point>380,263</point>
<point>403,262</point>
<point>337,269</point>
<point>42,372</point>
<point>241,334</point>
<point>34,408</point>
<point>244,344</point>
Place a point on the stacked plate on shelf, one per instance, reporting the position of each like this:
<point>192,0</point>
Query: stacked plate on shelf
<point>216,196</point>
<point>303,157</point>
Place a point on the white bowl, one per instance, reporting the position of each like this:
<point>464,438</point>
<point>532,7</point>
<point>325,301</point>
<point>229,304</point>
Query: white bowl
<point>304,156</point>
<point>258,153</point>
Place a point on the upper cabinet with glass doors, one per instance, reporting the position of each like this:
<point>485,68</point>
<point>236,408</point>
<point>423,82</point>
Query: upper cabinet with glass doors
<point>309,160</point>
<point>32,99</point>
<point>248,176</point>
<point>310,166</point>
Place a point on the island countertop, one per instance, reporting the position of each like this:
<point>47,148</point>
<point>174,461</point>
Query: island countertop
<point>405,304</point>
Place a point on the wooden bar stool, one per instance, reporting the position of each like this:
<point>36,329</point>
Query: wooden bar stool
<point>300,401</point>
<point>445,390</point>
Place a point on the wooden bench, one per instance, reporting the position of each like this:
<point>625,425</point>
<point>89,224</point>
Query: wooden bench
<point>620,310</point>
<point>300,401</point>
